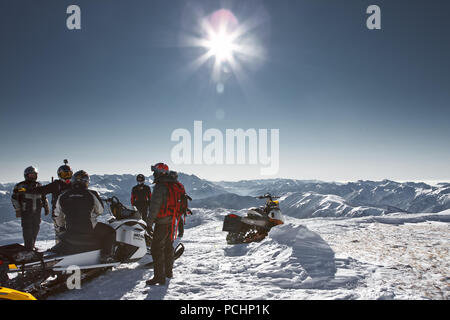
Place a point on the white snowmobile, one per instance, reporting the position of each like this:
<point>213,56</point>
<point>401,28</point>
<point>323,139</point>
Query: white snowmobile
<point>256,225</point>
<point>35,271</point>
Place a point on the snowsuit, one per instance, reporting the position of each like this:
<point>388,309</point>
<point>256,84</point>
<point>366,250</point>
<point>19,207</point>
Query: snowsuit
<point>77,210</point>
<point>140,198</point>
<point>162,243</point>
<point>28,206</point>
<point>55,188</point>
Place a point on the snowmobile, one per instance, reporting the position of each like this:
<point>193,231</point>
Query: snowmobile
<point>44,273</point>
<point>10,294</point>
<point>256,225</point>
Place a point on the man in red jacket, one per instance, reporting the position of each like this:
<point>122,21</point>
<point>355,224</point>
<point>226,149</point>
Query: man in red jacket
<point>165,212</point>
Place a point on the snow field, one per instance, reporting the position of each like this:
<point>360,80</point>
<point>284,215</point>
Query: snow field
<point>399,256</point>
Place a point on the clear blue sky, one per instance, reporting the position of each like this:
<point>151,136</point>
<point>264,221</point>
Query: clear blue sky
<point>350,103</point>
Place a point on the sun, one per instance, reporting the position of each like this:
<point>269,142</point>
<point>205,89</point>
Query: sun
<point>221,45</point>
<point>227,43</point>
<point>220,37</point>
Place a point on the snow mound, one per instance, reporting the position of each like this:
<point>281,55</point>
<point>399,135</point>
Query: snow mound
<point>308,248</point>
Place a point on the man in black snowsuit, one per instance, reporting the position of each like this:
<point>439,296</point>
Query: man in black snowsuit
<point>162,243</point>
<point>28,206</point>
<point>77,210</point>
<point>56,188</point>
<point>140,196</point>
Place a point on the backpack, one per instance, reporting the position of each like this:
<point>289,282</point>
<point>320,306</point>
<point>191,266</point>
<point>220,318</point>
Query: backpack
<point>177,204</point>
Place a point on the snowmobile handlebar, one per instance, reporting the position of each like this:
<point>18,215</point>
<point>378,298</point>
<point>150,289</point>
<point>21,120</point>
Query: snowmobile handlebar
<point>113,199</point>
<point>268,196</point>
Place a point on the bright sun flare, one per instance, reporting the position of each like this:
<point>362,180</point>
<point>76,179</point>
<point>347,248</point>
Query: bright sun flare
<point>221,46</point>
<point>227,42</point>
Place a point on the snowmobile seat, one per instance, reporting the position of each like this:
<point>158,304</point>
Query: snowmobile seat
<point>232,223</point>
<point>130,213</point>
<point>7,252</point>
<point>17,254</point>
<point>254,213</point>
<point>71,244</point>
<point>121,212</point>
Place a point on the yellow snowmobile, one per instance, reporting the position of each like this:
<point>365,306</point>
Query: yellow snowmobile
<point>10,294</point>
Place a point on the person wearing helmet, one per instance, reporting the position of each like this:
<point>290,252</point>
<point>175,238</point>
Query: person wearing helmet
<point>76,211</point>
<point>161,215</point>
<point>141,195</point>
<point>56,188</point>
<point>28,206</point>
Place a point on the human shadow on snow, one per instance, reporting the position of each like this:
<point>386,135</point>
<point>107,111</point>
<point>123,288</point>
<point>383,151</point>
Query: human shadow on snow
<point>157,292</point>
<point>115,284</point>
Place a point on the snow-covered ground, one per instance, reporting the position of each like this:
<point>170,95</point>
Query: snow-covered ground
<point>398,256</point>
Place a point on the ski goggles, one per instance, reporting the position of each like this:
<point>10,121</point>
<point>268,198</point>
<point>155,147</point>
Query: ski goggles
<point>32,175</point>
<point>65,175</point>
<point>160,167</point>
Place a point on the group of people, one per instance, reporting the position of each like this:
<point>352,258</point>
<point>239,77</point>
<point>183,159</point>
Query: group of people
<point>75,209</point>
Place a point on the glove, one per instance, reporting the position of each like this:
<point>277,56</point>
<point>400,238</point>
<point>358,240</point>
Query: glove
<point>18,213</point>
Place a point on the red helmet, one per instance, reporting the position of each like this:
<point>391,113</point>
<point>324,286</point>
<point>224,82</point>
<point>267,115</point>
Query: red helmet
<point>160,168</point>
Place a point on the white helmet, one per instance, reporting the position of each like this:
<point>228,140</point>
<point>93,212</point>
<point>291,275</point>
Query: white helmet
<point>276,217</point>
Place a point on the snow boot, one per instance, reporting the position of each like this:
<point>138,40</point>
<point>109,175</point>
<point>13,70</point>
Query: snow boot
<point>155,281</point>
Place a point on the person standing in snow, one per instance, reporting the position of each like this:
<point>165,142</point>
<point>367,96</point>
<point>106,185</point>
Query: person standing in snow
<point>56,188</point>
<point>28,206</point>
<point>141,195</point>
<point>165,213</point>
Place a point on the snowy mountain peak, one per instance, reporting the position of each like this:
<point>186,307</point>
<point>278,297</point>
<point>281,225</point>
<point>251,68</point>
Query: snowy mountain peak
<point>300,198</point>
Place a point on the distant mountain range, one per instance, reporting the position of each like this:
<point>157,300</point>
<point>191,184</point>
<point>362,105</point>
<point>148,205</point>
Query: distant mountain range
<point>300,198</point>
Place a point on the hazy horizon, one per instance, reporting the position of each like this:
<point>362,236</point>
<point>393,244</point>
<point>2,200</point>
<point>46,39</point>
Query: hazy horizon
<point>429,182</point>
